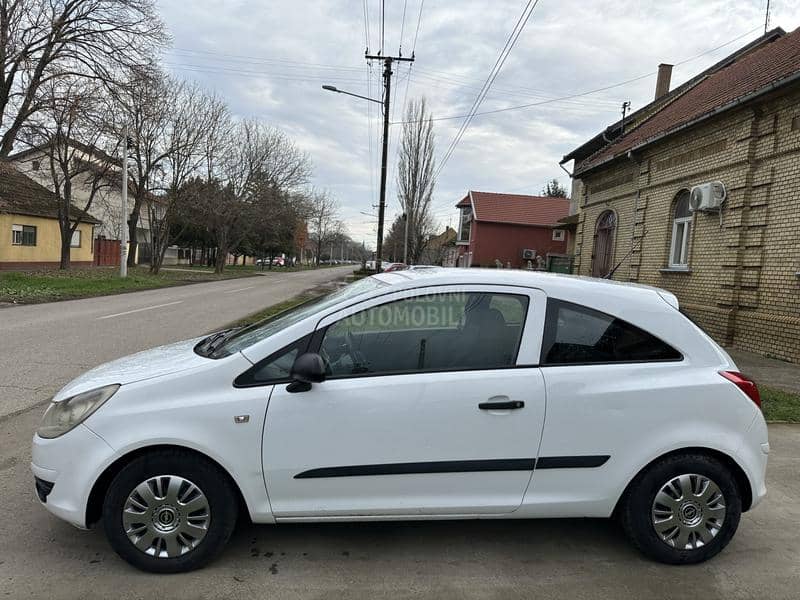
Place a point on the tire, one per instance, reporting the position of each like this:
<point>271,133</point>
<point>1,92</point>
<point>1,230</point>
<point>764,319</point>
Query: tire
<point>697,522</point>
<point>184,502</point>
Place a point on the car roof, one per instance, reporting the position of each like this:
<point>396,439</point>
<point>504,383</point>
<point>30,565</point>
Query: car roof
<point>591,291</point>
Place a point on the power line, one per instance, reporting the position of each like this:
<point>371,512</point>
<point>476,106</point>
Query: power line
<point>498,65</point>
<point>402,28</point>
<point>261,59</point>
<point>383,22</point>
<point>366,26</point>
<point>594,91</point>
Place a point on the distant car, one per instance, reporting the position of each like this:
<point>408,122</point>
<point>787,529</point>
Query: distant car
<point>279,261</point>
<point>457,393</point>
<point>395,266</point>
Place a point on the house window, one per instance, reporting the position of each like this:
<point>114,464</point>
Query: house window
<point>36,165</point>
<point>23,235</point>
<point>466,221</point>
<point>76,239</point>
<point>558,235</point>
<point>603,244</point>
<point>681,231</point>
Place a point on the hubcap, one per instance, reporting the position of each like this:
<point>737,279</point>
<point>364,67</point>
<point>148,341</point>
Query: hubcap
<point>688,511</point>
<point>166,516</point>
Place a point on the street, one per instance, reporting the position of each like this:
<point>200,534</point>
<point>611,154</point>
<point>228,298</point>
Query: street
<point>46,345</point>
<point>40,556</point>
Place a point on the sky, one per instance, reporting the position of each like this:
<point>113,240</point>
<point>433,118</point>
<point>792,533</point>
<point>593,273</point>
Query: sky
<point>269,59</point>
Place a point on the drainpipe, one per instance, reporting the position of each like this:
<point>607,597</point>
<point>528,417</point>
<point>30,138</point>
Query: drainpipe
<point>635,208</point>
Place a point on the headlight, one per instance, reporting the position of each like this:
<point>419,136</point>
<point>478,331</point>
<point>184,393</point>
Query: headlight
<point>62,416</point>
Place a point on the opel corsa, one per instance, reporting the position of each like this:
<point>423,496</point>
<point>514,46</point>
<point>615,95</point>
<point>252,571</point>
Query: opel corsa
<point>424,394</point>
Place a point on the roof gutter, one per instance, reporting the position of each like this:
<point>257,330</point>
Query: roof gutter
<point>725,107</point>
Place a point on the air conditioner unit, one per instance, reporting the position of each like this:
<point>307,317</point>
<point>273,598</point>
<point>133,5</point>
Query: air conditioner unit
<point>707,197</point>
<point>528,254</point>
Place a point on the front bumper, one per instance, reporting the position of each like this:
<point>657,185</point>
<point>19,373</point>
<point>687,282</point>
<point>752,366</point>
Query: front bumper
<point>71,463</point>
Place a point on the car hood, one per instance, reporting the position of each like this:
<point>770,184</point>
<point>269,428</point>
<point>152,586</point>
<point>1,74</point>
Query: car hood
<point>148,364</point>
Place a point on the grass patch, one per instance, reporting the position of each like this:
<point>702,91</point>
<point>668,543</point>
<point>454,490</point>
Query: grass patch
<point>779,405</point>
<point>29,287</point>
<point>271,311</point>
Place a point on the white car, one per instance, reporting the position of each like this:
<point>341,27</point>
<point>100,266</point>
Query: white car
<point>432,394</point>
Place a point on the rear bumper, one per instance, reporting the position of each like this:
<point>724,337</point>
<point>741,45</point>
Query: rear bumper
<point>752,456</point>
<point>65,469</point>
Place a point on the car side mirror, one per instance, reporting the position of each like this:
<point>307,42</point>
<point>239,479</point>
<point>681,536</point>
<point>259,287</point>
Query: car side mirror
<point>308,368</point>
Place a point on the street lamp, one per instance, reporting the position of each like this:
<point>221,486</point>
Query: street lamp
<point>382,205</point>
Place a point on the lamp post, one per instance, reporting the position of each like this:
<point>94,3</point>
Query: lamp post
<point>382,204</point>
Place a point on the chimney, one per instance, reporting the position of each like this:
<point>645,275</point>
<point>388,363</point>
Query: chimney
<point>662,83</point>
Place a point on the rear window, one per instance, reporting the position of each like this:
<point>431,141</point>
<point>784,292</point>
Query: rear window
<point>578,335</point>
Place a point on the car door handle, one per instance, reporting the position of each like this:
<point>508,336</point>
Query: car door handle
<point>507,405</point>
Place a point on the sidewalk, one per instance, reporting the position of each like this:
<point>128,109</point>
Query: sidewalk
<point>767,371</point>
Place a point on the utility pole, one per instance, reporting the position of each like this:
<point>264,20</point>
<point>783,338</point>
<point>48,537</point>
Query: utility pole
<point>123,241</point>
<point>405,239</point>
<point>387,87</point>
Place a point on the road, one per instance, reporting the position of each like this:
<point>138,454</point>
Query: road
<point>46,345</point>
<point>42,557</point>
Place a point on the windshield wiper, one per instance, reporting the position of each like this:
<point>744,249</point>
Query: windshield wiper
<point>210,344</point>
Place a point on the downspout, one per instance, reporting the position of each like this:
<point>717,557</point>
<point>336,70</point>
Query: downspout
<point>635,208</point>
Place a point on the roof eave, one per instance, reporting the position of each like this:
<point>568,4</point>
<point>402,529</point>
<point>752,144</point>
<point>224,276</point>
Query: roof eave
<point>704,117</point>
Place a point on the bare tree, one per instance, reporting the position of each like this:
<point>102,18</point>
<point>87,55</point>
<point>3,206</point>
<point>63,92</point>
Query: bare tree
<point>147,100</point>
<point>69,130</point>
<point>190,118</point>
<point>415,178</point>
<point>43,40</point>
<point>323,220</point>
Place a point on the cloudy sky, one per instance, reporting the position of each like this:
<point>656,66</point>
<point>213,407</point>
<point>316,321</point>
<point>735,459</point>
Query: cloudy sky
<point>269,58</point>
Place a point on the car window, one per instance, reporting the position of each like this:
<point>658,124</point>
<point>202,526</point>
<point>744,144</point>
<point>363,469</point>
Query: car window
<point>244,338</point>
<point>576,334</point>
<point>276,367</point>
<point>437,332</point>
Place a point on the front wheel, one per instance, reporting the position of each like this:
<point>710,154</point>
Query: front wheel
<point>169,512</point>
<point>683,509</point>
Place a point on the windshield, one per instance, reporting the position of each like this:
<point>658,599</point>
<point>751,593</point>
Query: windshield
<point>244,338</point>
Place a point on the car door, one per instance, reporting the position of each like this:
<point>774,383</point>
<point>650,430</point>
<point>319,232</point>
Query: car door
<point>433,405</point>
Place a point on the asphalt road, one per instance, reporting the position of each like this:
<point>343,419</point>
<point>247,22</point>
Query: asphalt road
<point>42,557</point>
<point>43,346</point>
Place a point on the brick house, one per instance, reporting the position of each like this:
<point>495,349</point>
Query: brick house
<point>501,227</point>
<point>736,270</point>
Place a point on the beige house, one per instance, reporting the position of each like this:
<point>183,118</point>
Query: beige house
<point>30,236</point>
<point>730,251</point>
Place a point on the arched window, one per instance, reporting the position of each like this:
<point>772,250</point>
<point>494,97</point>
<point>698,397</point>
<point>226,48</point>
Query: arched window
<point>603,244</point>
<point>681,231</point>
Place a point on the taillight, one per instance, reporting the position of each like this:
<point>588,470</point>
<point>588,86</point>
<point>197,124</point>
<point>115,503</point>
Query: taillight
<point>744,383</point>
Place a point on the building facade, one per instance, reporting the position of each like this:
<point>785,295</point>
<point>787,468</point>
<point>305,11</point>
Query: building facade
<point>735,270</point>
<point>510,230</point>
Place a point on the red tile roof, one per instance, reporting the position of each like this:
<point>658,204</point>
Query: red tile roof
<point>518,209</point>
<point>755,71</point>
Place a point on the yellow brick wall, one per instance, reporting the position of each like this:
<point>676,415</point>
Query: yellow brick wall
<point>48,241</point>
<point>742,286</point>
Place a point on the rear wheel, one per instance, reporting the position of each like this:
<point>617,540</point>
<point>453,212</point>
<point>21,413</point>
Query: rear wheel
<point>169,512</point>
<point>683,509</point>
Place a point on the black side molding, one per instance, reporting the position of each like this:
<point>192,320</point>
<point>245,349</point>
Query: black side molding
<point>457,466</point>
<point>571,462</point>
<point>445,466</point>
